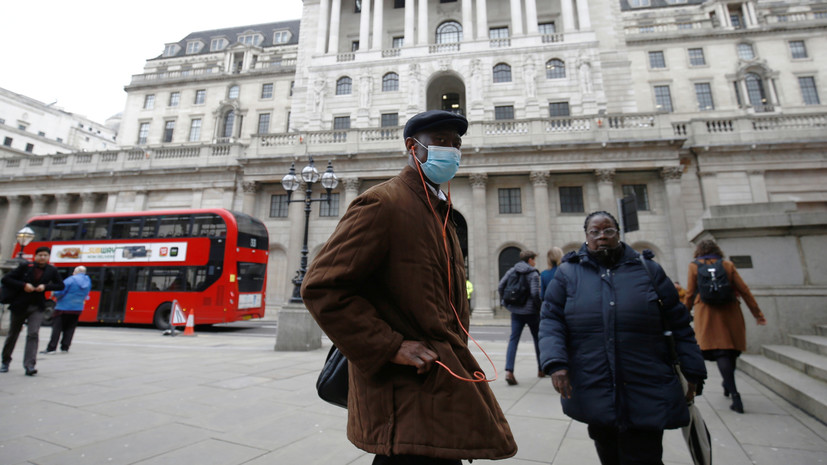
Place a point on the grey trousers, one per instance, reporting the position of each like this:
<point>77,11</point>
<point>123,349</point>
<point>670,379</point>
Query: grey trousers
<point>33,316</point>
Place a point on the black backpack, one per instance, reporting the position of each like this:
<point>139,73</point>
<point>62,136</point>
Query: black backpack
<point>713,283</point>
<point>517,289</point>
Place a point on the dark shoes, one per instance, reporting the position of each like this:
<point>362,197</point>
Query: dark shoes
<point>540,374</point>
<point>4,368</point>
<point>48,352</point>
<point>510,379</point>
<point>31,372</point>
<point>737,406</point>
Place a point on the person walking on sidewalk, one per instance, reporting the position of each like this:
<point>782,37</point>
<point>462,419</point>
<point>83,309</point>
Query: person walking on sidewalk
<point>524,305</point>
<point>555,254</point>
<point>33,279</point>
<point>719,321</point>
<point>388,288</point>
<point>69,306</point>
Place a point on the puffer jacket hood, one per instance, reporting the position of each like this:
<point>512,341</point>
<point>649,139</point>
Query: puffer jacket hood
<point>73,296</point>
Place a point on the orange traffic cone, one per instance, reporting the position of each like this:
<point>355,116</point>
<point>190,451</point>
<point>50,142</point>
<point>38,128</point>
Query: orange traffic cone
<point>189,330</point>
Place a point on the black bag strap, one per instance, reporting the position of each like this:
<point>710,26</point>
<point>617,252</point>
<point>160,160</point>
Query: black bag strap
<point>667,332</point>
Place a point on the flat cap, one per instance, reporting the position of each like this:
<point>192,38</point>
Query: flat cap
<point>435,119</point>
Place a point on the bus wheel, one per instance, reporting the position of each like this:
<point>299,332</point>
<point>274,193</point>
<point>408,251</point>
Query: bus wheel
<point>161,318</point>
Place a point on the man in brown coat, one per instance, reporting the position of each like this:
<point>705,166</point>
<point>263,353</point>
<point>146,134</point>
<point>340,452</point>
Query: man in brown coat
<point>388,288</point>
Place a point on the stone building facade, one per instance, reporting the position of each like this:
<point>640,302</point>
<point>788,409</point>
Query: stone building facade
<point>572,104</point>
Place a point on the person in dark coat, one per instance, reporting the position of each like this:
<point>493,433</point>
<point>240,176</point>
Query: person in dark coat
<point>522,315</point>
<point>554,256</point>
<point>33,280</point>
<point>70,302</point>
<point>602,342</point>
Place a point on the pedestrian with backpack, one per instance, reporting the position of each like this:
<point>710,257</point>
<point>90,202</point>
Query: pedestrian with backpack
<point>520,294</point>
<point>713,290</point>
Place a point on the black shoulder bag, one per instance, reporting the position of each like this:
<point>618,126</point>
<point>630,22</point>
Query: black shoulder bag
<point>332,384</point>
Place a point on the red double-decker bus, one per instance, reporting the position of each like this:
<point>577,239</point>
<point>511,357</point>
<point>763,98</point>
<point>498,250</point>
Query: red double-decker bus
<point>212,261</point>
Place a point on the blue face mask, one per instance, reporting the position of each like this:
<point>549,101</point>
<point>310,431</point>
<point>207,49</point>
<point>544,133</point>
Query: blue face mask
<point>442,163</point>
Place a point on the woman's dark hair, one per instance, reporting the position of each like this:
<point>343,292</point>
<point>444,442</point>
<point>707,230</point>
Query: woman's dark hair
<point>600,213</point>
<point>708,247</point>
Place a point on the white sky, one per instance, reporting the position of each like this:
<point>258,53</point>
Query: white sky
<point>82,54</point>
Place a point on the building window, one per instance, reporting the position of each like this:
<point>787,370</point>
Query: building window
<point>143,132</point>
<point>498,33</point>
<point>233,92</point>
<point>174,98</point>
<point>250,39</point>
<point>571,199</point>
<point>390,120</point>
<point>502,73</point>
<point>398,42</point>
<point>229,120</point>
<point>43,134</point>
<point>663,99</point>
<point>510,201</point>
<point>292,85</point>
<point>329,209</point>
<point>218,44</point>
<point>735,16</point>
<point>504,112</point>
<point>703,92</point>
<point>267,90</point>
<point>390,82</point>
<point>195,130</point>
<point>755,92</point>
<point>194,47</point>
<point>278,206</point>
<point>696,57</point>
<point>29,148</point>
<point>149,102</point>
<point>200,96</point>
<point>281,37</point>
<point>344,86</point>
<point>171,50</point>
<point>341,122</point>
<point>546,28</point>
<point>745,52</point>
<point>555,69</point>
<point>357,6</point>
<point>287,123</point>
<point>639,3</point>
<point>798,49</point>
<point>558,109</point>
<point>640,194</point>
<point>399,3</point>
<point>264,123</point>
<point>7,141</point>
<point>169,128</point>
<point>656,60</point>
<point>354,46</point>
<point>59,139</point>
<point>449,32</point>
<point>808,90</point>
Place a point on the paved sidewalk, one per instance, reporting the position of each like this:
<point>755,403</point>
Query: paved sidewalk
<point>131,396</point>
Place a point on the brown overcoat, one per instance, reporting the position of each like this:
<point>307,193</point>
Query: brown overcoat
<point>381,278</point>
<point>720,326</point>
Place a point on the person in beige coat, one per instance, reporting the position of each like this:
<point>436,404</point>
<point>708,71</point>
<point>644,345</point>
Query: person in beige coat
<point>388,288</point>
<point>720,329</point>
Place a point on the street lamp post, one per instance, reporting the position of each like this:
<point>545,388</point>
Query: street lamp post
<point>296,329</point>
<point>24,237</point>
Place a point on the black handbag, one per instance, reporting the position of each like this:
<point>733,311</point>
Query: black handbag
<point>332,384</point>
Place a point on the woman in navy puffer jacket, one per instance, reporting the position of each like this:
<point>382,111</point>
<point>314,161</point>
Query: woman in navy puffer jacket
<point>601,340</point>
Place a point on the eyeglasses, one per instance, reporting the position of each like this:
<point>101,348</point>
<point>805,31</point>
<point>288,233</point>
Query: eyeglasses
<point>608,232</point>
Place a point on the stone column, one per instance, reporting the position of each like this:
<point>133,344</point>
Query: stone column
<point>481,269</point>
<point>197,197</point>
<point>11,224</point>
<point>352,186</point>
<point>709,188</point>
<point>140,200</point>
<point>531,16</point>
<point>111,202</point>
<point>38,204</point>
<point>605,189</point>
<point>583,18</point>
<point>335,18</point>
<point>422,27</point>
<point>539,179</point>
<point>467,21</point>
<point>516,18</point>
<point>88,202</point>
<point>324,24</point>
<point>723,12</point>
<point>248,204</point>
<point>747,19</point>
<point>758,186</point>
<point>227,198</point>
<point>364,25</point>
<point>677,221</point>
<point>482,20</point>
<point>410,10</point>
<point>753,17</point>
<point>567,10</point>
<point>62,201</point>
<point>378,25</point>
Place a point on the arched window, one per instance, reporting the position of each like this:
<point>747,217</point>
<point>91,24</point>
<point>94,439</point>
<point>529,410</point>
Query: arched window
<point>555,69</point>
<point>449,32</point>
<point>390,82</point>
<point>755,92</point>
<point>502,72</point>
<point>227,124</point>
<point>344,86</point>
<point>508,258</point>
<point>233,92</point>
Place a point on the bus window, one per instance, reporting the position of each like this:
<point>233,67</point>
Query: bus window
<point>208,225</point>
<point>250,277</point>
<point>65,230</point>
<point>251,232</point>
<point>142,281</point>
<point>150,227</point>
<point>169,279</point>
<point>174,226</point>
<point>94,274</point>
<point>95,228</point>
<point>126,228</point>
<point>41,229</point>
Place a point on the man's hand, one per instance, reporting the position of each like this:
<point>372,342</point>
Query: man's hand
<point>561,383</point>
<point>28,288</point>
<point>690,391</point>
<point>41,288</point>
<point>416,354</point>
